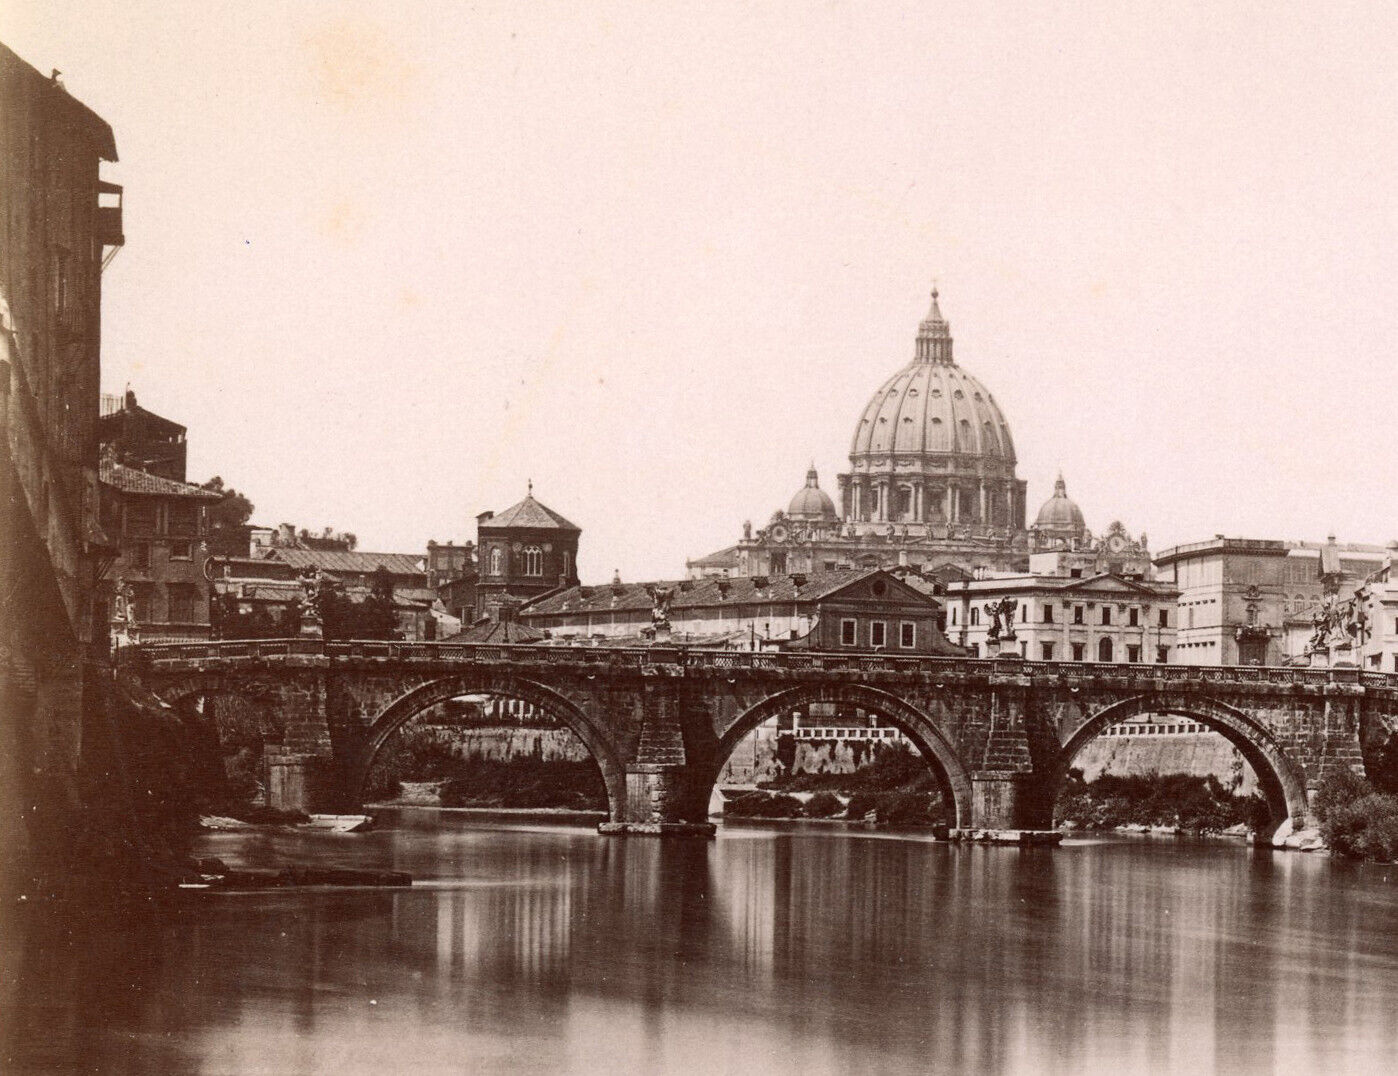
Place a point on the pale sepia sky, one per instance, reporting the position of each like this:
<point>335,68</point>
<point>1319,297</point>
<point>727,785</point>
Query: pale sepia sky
<point>388,261</point>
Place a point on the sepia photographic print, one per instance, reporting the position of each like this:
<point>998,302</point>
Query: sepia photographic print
<point>781,538</point>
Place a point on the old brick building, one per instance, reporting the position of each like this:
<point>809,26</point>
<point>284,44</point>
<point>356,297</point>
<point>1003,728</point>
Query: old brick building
<point>142,439</point>
<point>59,223</point>
<point>523,552</point>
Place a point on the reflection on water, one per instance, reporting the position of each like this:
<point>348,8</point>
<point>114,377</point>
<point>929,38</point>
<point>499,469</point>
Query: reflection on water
<point>551,949</point>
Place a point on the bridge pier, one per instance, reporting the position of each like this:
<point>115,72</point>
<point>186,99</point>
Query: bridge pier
<point>1007,808</point>
<point>656,803</point>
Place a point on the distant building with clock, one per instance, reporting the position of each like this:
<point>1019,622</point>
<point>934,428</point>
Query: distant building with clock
<point>931,484</point>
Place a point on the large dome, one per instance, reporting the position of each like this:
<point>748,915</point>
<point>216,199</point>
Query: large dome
<point>932,407</point>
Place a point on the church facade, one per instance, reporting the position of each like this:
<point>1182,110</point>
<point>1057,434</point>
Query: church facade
<point>931,483</point>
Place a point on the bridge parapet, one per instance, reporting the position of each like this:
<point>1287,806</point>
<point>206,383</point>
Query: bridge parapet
<point>182,656</point>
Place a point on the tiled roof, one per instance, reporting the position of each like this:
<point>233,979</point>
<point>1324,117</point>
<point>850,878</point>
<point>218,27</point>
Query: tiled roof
<point>131,480</point>
<point>338,562</point>
<point>724,558</point>
<point>530,513</point>
<point>697,593</point>
<point>496,631</point>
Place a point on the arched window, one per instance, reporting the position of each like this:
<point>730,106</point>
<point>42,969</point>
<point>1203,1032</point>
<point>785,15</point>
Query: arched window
<point>533,560</point>
<point>566,569</point>
<point>1104,650</point>
<point>497,561</point>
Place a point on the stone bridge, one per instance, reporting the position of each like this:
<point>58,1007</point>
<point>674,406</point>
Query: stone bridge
<point>999,733</point>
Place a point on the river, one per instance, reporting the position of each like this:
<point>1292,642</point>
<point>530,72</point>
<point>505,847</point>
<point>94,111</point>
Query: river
<point>540,949</point>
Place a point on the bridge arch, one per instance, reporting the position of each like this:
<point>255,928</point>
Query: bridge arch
<point>485,682</point>
<point>935,746</point>
<point>1282,783</point>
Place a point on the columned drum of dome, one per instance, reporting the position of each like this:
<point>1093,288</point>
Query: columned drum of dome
<point>932,447</point>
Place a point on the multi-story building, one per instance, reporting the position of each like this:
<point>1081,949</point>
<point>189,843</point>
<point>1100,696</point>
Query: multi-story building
<point>59,225</point>
<point>451,572</point>
<point>525,551</point>
<point>161,527</point>
<point>142,439</point>
<point>840,610</point>
<point>262,594</point>
<point>1067,616</point>
<point>1250,601</point>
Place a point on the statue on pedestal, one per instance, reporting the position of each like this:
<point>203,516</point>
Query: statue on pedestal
<point>1001,615</point>
<point>314,589</point>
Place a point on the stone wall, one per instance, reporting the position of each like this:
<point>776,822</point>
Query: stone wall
<point>1197,754</point>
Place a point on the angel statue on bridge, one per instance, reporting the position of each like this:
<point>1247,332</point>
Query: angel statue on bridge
<point>1002,619</point>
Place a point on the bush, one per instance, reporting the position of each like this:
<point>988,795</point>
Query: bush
<point>861,804</point>
<point>908,809</point>
<point>1339,789</point>
<point>1177,800</point>
<point>824,805</point>
<point>1363,828</point>
<point>763,805</point>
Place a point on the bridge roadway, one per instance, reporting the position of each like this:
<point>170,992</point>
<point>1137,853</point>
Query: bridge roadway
<point>999,733</point>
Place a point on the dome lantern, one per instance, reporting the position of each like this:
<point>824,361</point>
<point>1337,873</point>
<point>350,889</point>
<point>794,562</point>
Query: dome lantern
<point>934,336</point>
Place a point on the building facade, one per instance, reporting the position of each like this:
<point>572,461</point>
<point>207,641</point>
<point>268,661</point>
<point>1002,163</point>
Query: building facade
<point>832,611</point>
<point>161,527</point>
<point>1062,617</point>
<point>1249,601</point>
<point>523,552</point>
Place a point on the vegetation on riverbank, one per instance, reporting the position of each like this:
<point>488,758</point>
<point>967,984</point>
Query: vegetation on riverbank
<point>528,781</point>
<point>895,789</point>
<point>1176,801</point>
<point>1356,821</point>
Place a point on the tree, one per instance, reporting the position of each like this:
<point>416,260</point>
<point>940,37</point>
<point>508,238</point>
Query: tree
<point>228,532</point>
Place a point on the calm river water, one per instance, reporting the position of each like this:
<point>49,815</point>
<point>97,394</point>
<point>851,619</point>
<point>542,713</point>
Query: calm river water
<point>531,948</point>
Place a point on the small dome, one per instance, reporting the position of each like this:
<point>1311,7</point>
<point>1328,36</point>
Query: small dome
<point>1059,513</point>
<point>811,502</point>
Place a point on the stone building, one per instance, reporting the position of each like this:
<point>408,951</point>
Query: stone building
<point>142,439</point>
<point>452,573</point>
<point>161,527</point>
<point>525,551</point>
<point>840,610</point>
<point>1250,601</point>
<point>1058,616</point>
<point>270,584</point>
<point>931,482</point>
<point>60,223</point>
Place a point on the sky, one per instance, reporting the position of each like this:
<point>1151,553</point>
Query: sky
<point>391,262</point>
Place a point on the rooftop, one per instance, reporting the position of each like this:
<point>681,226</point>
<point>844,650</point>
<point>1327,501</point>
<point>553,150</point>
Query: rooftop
<point>529,513</point>
<point>339,562</point>
<point>700,593</point>
<point>131,480</point>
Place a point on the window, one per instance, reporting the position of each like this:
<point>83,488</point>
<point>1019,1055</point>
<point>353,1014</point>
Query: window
<point>1048,614</point>
<point>181,598</point>
<point>533,560</point>
<point>953,616</point>
<point>182,517</point>
<point>1024,613</point>
<point>497,561</point>
<point>1133,655</point>
<point>1104,650</point>
<point>567,561</point>
<point>140,516</point>
<point>975,616</point>
<point>878,631</point>
<point>1077,651</point>
<point>1046,651</point>
<point>907,634</point>
<point>1133,617</point>
<point>181,550</point>
<point>1162,655</point>
<point>1106,614</point>
<point>847,633</point>
<point>1077,614</point>
<point>1164,618</point>
<point>140,556</point>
